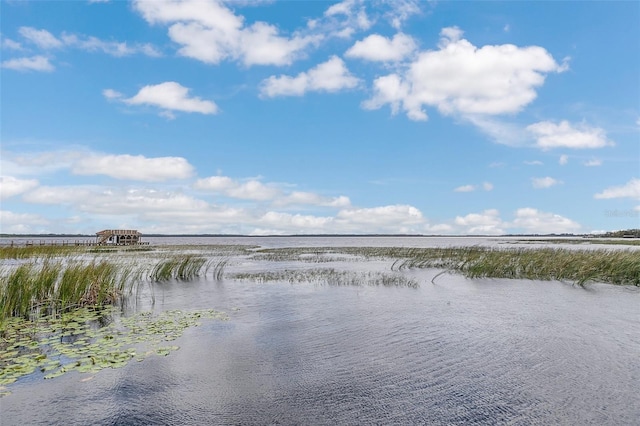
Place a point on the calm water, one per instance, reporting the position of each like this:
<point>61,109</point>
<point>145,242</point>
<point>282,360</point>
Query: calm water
<point>458,351</point>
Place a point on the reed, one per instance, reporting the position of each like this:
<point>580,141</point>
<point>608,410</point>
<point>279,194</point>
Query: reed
<point>579,266</point>
<point>331,277</point>
<point>182,267</point>
<point>25,252</point>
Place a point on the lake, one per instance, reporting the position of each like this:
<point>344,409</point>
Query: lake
<point>451,351</point>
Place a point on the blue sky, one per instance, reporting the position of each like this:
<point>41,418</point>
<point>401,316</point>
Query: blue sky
<point>260,117</point>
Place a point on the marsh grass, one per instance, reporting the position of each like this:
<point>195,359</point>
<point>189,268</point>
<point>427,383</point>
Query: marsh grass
<point>331,277</point>
<point>218,267</point>
<point>182,267</point>
<point>578,266</point>
<point>25,252</point>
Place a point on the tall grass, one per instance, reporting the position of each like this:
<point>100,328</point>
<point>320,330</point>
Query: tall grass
<point>578,266</point>
<point>331,277</point>
<point>183,267</point>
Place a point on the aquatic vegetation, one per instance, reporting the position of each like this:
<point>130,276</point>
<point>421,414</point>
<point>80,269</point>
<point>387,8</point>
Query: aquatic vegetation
<point>55,286</point>
<point>183,267</point>
<point>331,277</point>
<point>218,268</point>
<point>24,252</point>
<point>88,340</point>
<point>578,266</point>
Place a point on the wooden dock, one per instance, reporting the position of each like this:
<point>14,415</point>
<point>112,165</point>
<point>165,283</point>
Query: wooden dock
<point>53,243</point>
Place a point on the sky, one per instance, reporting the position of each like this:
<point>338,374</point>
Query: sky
<point>316,117</point>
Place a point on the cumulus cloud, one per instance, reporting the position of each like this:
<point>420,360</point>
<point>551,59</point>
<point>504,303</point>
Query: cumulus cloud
<point>309,198</point>
<point>248,190</point>
<point>252,189</point>
<point>210,32</point>
<point>544,182</point>
<point>404,214</point>
<point>550,135</point>
<point>486,223</point>
<point>330,76</point>
<point>629,190</point>
<point>21,223</point>
<point>462,78</point>
<point>170,96</point>
<point>538,222</point>
<point>11,186</point>
<point>118,201</point>
<point>134,167</point>
<point>32,63</point>
<point>563,160</point>
<point>382,49</point>
<point>84,162</point>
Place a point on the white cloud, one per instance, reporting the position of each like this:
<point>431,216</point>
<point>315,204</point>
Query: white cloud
<point>118,201</point>
<point>21,223</point>
<point>387,219</point>
<point>565,135</point>
<point>11,186</point>
<point>465,188</point>
<point>113,48</point>
<point>486,223</point>
<point>487,186</point>
<point>537,222</point>
<point>629,190</point>
<point>594,162</point>
<point>7,43</point>
<point>84,162</point>
<point>500,131</point>
<point>248,190</point>
<point>310,198</point>
<point>462,78</point>
<point>38,163</point>
<point>401,10</point>
<point>33,63</point>
<point>379,48</point>
<point>41,38</point>
<point>330,76</point>
<point>47,41</point>
<point>252,189</point>
<point>355,14</point>
<point>534,163</point>
<point>210,32</point>
<point>111,94</point>
<point>564,159</point>
<point>544,182</point>
<point>170,96</point>
<point>285,223</point>
<point>134,167</point>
